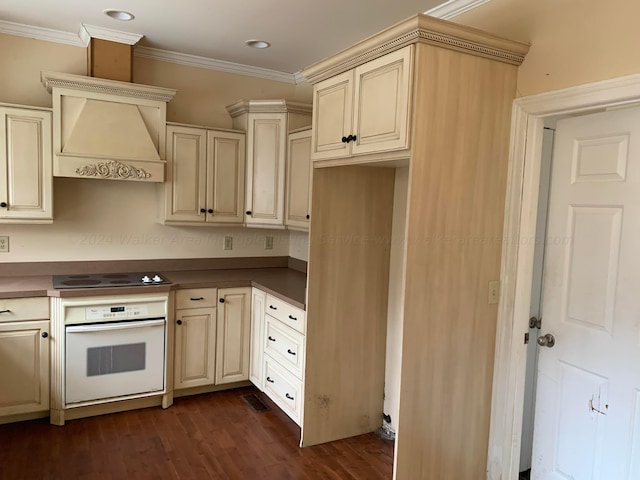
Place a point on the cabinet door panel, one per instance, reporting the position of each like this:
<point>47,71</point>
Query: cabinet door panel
<point>225,177</point>
<point>381,94</point>
<point>234,324</point>
<point>298,180</point>
<point>24,376</point>
<point>195,341</point>
<point>25,164</point>
<point>186,173</point>
<point>265,169</point>
<point>332,116</point>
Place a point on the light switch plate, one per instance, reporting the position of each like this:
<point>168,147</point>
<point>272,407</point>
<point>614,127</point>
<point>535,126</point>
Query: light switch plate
<point>4,244</point>
<point>228,242</point>
<point>494,292</point>
<point>268,242</point>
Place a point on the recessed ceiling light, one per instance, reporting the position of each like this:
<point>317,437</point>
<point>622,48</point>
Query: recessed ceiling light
<point>119,15</point>
<point>258,43</point>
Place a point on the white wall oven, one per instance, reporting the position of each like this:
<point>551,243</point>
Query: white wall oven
<point>114,348</point>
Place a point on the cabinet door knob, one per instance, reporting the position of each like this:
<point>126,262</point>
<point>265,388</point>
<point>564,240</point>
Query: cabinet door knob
<point>179,322</point>
<point>346,139</point>
<point>202,210</point>
<point>3,204</point>
<point>248,212</point>
<point>308,216</point>
<point>44,334</point>
<point>221,300</point>
<point>354,138</point>
<point>210,210</point>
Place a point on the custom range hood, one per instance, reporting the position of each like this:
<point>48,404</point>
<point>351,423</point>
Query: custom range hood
<point>107,129</point>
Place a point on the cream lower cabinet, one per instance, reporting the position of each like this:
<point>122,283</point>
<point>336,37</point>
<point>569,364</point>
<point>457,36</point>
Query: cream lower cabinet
<point>258,300</point>
<point>205,176</point>
<point>267,123</point>
<point>283,349</point>
<point>299,180</point>
<point>364,110</point>
<point>195,338</point>
<point>24,356</point>
<point>233,342</point>
<point>26,178</point>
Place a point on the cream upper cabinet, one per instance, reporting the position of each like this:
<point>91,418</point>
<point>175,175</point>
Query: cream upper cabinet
<point>26,178</point>
<point>364,110</point>
<point>205,176</point>
<point>24,355</point>
<point>267,123</point>
<point>234,325</point>
<point>299,180</point>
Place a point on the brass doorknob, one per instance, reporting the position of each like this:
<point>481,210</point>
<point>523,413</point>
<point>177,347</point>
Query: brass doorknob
<point>547,340</point>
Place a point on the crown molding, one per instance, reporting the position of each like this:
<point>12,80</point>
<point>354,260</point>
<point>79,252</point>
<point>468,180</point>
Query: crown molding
<point>453,8</point>
<point>111,35</point>
<point>268,106</point>
<point>213,64</point>
<point>41,33</point>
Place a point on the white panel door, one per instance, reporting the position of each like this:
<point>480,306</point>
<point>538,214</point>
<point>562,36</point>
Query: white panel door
<point>587,420</point>
<point>234,335</point>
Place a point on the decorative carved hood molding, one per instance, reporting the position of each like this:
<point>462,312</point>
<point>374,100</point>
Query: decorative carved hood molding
<point>107,129</point>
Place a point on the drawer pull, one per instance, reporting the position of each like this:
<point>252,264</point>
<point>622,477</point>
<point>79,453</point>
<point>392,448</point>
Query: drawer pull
<point>196,299</point>
<point>292,317</point>
<point>5,311</point>
<point>272,307</point>
<point>290,352</point>
<point>288,396</point>
<point>270,380</point>
<point>271,338</point>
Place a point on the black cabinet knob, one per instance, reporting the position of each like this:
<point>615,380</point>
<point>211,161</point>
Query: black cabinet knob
<point>354,138</point>
<point>45,334</point>
<point>272,307</point>
<point>3,204</point>
<point>210,210</point>
<point>248,212</point>
<point>202,210</point>
<point>270,380</point>
<point>221,300</point>
<point>308,217</point>
<point>179,322</point>
<point>288,396</point>
<point>271,339</point>
<point>345,139</point>
<point>290,352</point>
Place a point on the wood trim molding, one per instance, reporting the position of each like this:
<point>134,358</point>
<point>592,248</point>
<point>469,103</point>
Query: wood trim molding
<point>529,115</point>
<point>100,85</point>
<point>424,29</point>
<point>112,35</point>
<point>268,106</point>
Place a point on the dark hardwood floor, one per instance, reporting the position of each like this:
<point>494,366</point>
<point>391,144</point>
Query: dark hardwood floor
<point>214,435</point>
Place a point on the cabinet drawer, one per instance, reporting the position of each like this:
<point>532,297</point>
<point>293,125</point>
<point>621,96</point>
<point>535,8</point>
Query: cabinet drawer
<point>283,388</point>
<point>286,313</point>
<point>285,345</point>
<point>196,298</point>
<point>15,309</point>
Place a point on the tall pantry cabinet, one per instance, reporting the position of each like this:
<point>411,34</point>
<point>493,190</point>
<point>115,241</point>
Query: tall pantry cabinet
<point>437,97</point>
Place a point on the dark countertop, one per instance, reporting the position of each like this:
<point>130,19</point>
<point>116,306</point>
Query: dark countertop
<point>284,283</point>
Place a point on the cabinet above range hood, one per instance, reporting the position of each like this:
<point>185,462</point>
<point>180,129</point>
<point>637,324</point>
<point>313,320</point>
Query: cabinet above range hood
<point>105,129</point>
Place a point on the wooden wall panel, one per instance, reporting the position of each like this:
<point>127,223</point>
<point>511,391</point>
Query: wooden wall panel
<point>110,60</point>
<point>456,203</point>
<point>347,307</point>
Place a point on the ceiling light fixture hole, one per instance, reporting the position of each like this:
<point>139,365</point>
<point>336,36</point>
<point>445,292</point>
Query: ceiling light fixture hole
<point>258,43</point>
<point>119,15</point>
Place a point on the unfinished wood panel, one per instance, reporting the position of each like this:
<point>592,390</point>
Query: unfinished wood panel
<point>456,204</point>
<point>347,306</point>
<point>110,60</point>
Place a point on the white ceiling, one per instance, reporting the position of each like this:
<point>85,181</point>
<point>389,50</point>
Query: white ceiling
<point>300,32</point>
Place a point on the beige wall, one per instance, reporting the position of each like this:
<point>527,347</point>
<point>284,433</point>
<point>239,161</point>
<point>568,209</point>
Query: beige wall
<point>573,42</point>
<point>102,219</point>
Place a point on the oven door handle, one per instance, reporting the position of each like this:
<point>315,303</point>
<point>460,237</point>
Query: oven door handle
<point>101,327</point>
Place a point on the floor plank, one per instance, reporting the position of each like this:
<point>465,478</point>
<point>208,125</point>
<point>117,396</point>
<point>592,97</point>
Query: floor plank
<point>214,435</point>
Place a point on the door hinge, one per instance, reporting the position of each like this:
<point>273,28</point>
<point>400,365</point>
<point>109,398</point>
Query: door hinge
<point>535,323</point>
<point>526,338</point>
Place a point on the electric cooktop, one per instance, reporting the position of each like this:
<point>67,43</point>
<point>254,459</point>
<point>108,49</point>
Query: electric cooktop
<point>105,280</point>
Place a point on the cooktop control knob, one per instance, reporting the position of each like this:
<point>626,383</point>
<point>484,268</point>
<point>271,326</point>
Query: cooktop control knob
<point>146,279</point>
<point>157,278</point>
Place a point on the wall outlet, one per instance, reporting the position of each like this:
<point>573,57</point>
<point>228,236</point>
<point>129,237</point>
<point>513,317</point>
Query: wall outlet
<point>4,244</point>
<point>268,242</point>
<point>228,242</point>
<point>494,292</point>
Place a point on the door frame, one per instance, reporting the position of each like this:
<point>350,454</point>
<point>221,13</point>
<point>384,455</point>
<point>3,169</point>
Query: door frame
<point>529,115</point>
